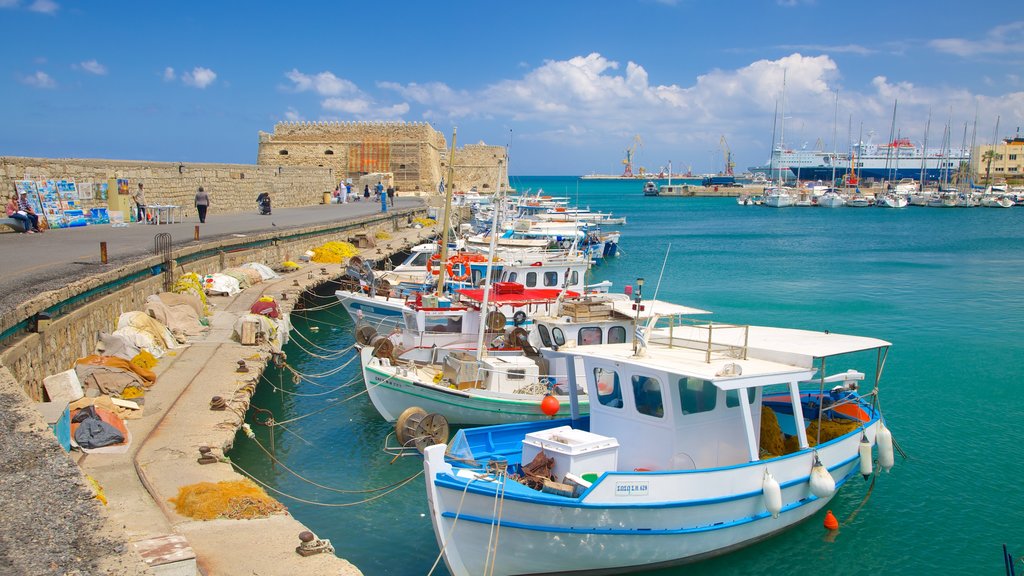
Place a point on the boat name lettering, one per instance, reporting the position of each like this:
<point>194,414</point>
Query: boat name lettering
<point>631,489</point>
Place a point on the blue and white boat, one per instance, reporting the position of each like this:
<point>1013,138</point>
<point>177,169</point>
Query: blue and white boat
<point>701,439</point>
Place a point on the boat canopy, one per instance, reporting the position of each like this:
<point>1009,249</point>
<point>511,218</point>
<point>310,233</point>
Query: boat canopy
<point>784,345</point>
<point>516,295</point>
<point>653,308</point>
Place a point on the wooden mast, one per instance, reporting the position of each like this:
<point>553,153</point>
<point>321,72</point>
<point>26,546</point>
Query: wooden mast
<point>447,217</point>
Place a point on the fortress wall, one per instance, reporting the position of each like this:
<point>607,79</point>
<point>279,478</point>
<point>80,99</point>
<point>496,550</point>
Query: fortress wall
<point>232,187</point>
<point>414,152</point>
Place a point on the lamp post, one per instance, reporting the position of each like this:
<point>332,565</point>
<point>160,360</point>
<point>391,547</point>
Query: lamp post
<point>638,308</point>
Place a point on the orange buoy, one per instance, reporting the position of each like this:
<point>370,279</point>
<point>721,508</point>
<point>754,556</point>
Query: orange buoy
<point>549,405</point>
<point>830,521</point>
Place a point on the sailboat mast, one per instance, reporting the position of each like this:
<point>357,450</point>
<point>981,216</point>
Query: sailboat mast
<point>835,118</point>
<point>782,126</point>
<point>771,151</point>
<point>447,216</point>
<point>924,150</point>
<point>892,133</point>
<point>496,202</point>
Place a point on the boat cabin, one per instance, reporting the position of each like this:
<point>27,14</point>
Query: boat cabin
<point>698,390</point>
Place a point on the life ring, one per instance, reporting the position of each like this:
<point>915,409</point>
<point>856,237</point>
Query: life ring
<point>430,264</point>
<point>466,271</point>
<point>519,317</point>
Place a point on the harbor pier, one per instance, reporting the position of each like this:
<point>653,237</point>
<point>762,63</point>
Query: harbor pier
<point>46,497</point>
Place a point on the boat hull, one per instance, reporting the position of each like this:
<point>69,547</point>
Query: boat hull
<point>392,393</point>
<point>625,521</point>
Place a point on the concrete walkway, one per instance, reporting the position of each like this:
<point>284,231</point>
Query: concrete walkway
<point>177,421</point>
<point>177,417</point>
<point>34,263</point>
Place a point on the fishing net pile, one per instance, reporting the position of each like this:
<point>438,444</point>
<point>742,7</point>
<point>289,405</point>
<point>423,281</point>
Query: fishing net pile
<point>333,252</point>
<point>239,500</point>
<point>775,443</point>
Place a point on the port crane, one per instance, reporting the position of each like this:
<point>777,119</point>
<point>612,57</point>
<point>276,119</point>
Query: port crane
<point>627,172</point>
<point>727,155</point>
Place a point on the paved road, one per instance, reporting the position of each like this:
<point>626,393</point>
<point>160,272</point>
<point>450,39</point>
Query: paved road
<point>33,263</point>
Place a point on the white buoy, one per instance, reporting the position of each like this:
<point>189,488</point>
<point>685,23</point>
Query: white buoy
<point>864,449</point>
<point>886,458</point>
<point>772,494</point>
<point>822,483</point>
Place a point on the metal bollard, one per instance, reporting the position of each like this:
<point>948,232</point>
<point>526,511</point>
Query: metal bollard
<point>103,252</point>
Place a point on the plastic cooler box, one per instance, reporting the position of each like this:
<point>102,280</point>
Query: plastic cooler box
<point>575,451</point>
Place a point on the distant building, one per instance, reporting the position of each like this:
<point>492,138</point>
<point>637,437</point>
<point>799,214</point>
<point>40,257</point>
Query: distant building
<point>1007,162</point>
<point>414,152</point>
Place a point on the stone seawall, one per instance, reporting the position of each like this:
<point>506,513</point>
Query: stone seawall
<point>232,187</point>
<point>73,335</point>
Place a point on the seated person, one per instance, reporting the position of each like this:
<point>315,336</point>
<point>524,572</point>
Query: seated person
<point>27,223</point>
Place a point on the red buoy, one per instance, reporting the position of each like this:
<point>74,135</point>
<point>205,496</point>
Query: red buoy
<point>830,521</point>
<point>549,405</point>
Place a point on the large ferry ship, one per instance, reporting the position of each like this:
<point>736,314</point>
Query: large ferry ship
<point>894,160</point>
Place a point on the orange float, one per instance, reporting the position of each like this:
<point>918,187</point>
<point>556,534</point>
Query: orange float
<point>549,405</point>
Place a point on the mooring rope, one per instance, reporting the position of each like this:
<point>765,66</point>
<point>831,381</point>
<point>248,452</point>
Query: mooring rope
<point>318,485</point>
<point>322,504</point>
<point>451,530</point>
<point>308,395</point>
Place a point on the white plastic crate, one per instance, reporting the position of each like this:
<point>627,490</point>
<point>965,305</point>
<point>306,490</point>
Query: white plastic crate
<point>575,451</point>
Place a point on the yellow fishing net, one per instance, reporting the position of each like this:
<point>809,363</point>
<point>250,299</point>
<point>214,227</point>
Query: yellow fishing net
<point>334,252</point>
<point>289,265</point>
<point>772,443</point>
<point>239,500</point>
<point>191,283</point>
<point>425,221</point>
<point>144,360</point>
<point>382,235</point>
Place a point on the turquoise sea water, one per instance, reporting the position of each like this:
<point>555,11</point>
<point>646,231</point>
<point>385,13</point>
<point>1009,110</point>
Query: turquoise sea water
<point>945,286</point>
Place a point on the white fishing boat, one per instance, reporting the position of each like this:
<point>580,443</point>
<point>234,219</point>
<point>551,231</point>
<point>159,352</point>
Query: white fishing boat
<point>858,200</point>
<point>891,200</point>
<point>382,307</point>
<point>707,439</point>
<point>650,188</point>
<point>506,381</point>
<point>831,199</point>
<point>778,197</point>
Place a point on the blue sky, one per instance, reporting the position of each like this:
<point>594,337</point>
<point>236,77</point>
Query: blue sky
<point>569,84</point>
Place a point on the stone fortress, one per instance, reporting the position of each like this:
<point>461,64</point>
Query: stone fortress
<point>297,164</point>
<point>414,152</point>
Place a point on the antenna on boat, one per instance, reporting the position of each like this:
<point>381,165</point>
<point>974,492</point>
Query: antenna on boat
<point>640,336</point>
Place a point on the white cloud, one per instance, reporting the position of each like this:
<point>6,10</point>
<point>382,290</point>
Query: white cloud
<point>324,83</point>
<point>92,67</point>
<point>8,3</point>
<point>292,115</point>
<point>169,75</point>
<point>586,100</point>
<point>44,6</point>
<point>830,49</point>
<point>39,79</point>
<point>199,77</point>
<point>1002,39</point>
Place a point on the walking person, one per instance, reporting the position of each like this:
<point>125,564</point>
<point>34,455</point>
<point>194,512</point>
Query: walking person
<point>378,190</point>
<point>366,192</point>
<point>139,197</point>
<point>391,195</point>
<point>348,193</point>
<point>202,203</point>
